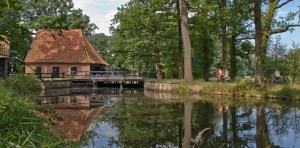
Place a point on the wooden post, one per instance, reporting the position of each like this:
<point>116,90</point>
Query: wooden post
<point>121,86</point>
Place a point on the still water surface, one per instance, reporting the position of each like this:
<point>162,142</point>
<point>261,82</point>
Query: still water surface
<point>132,119</point>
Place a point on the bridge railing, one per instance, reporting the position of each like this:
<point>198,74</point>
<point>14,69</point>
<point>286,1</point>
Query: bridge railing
<point>92,74</point>
<point>50,75</point>
<point>101,74</point>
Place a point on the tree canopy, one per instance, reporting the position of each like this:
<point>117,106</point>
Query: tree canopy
<point>146,34</point>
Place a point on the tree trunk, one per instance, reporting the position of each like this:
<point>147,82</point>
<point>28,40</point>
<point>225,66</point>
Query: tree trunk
<point>258,44</point>
<point>233,54</point>
<point>225,130</point>
<point>180,127</point>
<point>262,134</point>
<point>260,127</point>
<point>267,27</point>
<point>180,51</point>
<point>224,37</point>
<point>158,65</point>
<point>188,76</point>
<point>157,56</point>
<point>234,126</point>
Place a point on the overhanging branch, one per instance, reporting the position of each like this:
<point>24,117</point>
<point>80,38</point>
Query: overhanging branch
<point>281,30</point>
<point>284,3</point>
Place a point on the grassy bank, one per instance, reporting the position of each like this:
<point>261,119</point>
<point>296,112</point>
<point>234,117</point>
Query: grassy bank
<point>20,126</point>
<point>242,88</point>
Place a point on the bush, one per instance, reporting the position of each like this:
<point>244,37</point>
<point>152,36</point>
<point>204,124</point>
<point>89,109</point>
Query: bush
<point>181,90</point>
<point>27,85</point>
<point>286,92</point>
<point>20,126</point>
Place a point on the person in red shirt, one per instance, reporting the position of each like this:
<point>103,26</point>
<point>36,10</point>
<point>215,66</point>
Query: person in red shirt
<point>219,74</point>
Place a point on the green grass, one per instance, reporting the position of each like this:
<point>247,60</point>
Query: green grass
<point>241,88</point>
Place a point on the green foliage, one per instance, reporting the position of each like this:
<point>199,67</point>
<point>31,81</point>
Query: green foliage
<point>284,59</point>
<point>287,92</point>
<point>23,84</point>
<point>56,14</point>
<point>181,90</point>
<point>145,37</point>
<point>20,126</point>
<point>101,43</point>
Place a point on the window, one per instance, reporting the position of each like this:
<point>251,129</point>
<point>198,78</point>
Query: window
<point>73,71</point>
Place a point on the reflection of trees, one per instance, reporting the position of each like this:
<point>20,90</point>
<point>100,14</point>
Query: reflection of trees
<point>145,123</point>
<point>188,105</point>
<point>225,125</point>
<point>262,136</point>
<point>229,128</point>
<point>283,122</point>
<point>152,123</point>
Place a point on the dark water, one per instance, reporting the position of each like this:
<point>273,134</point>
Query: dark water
<point>138,121</point>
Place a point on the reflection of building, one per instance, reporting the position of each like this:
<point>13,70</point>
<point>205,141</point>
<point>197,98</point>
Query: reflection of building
<point>55,52</point>
<point>4,57</point>
<point>74,122</point>
<point>77,113</point>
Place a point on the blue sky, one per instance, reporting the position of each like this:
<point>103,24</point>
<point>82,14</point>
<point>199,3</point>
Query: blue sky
<point>102,11</point>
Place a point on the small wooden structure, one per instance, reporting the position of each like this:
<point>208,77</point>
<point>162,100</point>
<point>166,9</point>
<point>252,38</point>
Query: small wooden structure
<point>4,57</point>
<point>53,53</point>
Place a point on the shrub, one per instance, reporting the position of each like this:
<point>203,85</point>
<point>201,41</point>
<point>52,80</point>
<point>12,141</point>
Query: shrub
<point>20,126</point>
<point>286,92</point>
<point>23,84</point>
<point>181,90</point>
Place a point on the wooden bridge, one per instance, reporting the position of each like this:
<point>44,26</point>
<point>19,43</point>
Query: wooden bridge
<point>118,78</point>
<point>102,76</point>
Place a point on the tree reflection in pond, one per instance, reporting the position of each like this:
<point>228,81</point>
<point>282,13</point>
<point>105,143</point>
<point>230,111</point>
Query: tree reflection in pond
<point>144,122</point>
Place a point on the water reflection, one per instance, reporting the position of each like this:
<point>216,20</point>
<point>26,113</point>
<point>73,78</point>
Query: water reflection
<point>77,108</point>
<point>147,122</point>
<point>129,119</point>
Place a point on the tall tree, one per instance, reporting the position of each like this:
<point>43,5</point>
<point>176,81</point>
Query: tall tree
<point>294,62</point>
<point>145,35</point>
<point>258,42</point>
<point>272,26</point>
<point>55,14</point>
<point>17,35</point>
<point>223,10</point>
<point>188,75</point>
<point>239,15</point>
<point>102,43</point>
<point>202,38</point>
<point>180,50</point>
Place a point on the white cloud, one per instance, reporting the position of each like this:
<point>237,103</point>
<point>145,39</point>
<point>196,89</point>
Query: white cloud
<point>101,12</point>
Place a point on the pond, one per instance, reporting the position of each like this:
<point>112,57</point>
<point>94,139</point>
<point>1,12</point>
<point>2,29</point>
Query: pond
<point>108,118</point>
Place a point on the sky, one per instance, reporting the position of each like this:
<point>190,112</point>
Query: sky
<point>101,13</point>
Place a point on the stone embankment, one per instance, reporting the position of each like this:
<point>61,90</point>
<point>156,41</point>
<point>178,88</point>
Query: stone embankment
<point>159,86</point>
<point>167,86</point>
<point>55,87</point>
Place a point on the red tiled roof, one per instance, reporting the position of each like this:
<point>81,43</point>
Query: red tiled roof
<point>67,46</point>
<point>4,47</point>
